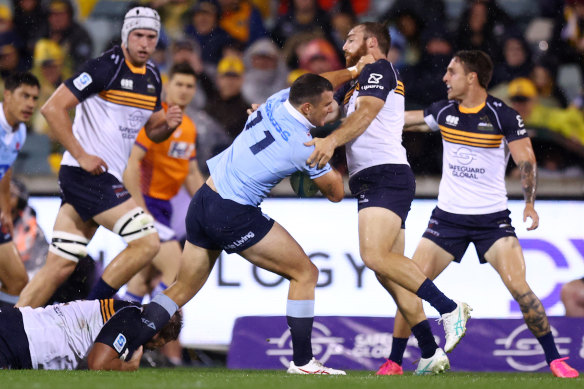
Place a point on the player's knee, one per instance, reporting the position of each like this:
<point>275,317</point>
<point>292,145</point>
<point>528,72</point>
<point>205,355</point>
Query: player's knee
<point>146,247</point>
<point>308,276</point>
<point>135,225</point>
<point>569,292</point>
<point>16,284</point>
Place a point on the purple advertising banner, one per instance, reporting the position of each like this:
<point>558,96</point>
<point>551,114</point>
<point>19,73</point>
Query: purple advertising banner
<point>363,343</point>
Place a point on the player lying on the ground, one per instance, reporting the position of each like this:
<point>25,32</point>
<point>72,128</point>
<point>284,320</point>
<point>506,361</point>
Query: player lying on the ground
<point>61,336</point>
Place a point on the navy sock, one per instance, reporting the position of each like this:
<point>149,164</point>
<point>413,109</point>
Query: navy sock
<point>426,341</point>
<point>429,292</point>
<point>398,347</point>
<point>301,330</point>
<point>101,290</point>
<point>132,297</point>
<point>549,347</point>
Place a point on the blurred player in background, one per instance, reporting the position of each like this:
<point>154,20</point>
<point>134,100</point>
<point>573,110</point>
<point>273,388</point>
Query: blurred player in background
<point>155,174</point>
<point>115,95</point>
<point>478,134</point>
<point>21,92</point>
<point>51,338</point>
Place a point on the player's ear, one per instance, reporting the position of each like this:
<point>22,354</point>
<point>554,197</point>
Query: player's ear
<point>305,108</point>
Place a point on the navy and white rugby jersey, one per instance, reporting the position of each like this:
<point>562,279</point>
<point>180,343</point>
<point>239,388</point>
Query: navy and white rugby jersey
<point>61,335</point>
<point>475,153</point>
<point>117,99</point>
<point>11,142</point>
<point>381,143</point>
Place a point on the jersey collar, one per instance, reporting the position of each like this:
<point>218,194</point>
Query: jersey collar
<point>297,115</point>
<point>4,125</point>
<point>472,109</point>
<point>135,69</point>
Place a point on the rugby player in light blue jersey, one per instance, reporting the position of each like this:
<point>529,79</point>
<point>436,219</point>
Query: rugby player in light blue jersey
<point>21,92</point>
<point>225,215</point>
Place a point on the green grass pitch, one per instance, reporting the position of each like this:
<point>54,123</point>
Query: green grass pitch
<point>194,378</point>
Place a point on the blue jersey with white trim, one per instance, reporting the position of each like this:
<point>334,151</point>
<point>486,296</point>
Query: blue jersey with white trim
<point>116,100</point>
<point>11,142</point>
<point>270,147</point>
<point>475,154</point>
<point>381,143</point>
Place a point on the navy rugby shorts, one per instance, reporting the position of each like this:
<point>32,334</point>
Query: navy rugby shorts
<point>390,186</point>
<point>14,347</point>
<point>90,195</point>
<point>454,232</point>
<point>215,223</point>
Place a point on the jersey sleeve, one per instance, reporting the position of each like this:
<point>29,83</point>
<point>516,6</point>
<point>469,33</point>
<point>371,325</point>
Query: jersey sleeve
<point>512,124</point>
<point>431,114</point>
<point>377,79</point>
<point>300,154</point>
<point>340,93</point>
<point>120,331</point>
<point>143,141</point>
<point>94,75</point>
<point>158,77</point>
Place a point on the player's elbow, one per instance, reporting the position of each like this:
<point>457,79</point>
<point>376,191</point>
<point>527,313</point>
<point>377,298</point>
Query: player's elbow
<point>336,192</point>
<point>94,362</point>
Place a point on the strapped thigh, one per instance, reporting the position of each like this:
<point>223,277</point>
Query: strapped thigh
<point>69,246</point>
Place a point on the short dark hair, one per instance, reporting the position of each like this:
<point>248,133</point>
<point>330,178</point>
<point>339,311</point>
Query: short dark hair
<point>379,31</point>
<point>181,68</point>
<point>308,88</point>
<point>171,330</point>
<point>479,62</point>
<point>14,80</point>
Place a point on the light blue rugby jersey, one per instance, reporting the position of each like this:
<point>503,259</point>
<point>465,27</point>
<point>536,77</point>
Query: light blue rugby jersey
<point>11,141</point>
<point>270,147</point>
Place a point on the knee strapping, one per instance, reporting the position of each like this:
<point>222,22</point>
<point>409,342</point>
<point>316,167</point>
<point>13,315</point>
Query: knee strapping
<point>134,225</point>
<point>69,246</point>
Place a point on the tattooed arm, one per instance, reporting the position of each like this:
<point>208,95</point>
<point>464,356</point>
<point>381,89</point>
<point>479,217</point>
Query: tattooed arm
<point>523,155</point>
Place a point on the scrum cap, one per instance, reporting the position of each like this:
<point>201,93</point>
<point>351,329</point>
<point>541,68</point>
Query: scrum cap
<point>140,17</point>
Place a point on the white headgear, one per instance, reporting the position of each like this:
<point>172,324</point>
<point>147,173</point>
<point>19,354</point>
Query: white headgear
<point>140,17</point>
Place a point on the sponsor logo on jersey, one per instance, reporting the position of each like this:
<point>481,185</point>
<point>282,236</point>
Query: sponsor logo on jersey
<point>521,132</point>
<point>452,120</point>
<point>464,155</point>
<point>120,342</point>
<point>374,78</point>
<point>485,124</point>
<point>136,119</point>
<point>149,324</point>
<point>151,88</point>
<point>127,83</point>
<point>180,150</point>
<point>82,81</point>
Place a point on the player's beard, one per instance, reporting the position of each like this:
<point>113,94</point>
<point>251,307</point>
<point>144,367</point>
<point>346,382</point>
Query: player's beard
<point>352,59</point>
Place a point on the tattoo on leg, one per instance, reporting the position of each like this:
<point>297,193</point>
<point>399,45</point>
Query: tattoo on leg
<point>533,313</point>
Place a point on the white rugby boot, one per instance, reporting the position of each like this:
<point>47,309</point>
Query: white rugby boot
<point>436,364</point>
<point>313,367</point>
<point>455,325</point>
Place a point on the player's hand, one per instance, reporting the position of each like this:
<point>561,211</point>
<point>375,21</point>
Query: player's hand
<point>323,151</point>
<point>364,60</point>
<point>254,107</point>
<point>174,116</point>
<point>6,222</point>
<point>134,362</point>
<point>530,212</point>
<point>92,164</point>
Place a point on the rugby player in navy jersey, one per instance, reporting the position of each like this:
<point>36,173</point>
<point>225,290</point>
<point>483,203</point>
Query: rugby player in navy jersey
<point>477,130</point>
<point>51,338</point>
<point>21,92</point>
<point>114,96</point>
<point>383,183</point>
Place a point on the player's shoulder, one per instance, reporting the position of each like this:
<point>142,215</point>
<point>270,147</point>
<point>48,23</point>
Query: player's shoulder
<point>152,68</point>
<point>110,58</point>
<point>500,107</point>
<point>441,105</point>
<point>381,67</point>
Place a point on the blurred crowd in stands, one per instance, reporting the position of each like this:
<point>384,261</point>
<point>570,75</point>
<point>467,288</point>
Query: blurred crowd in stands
<point>245,50</point>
